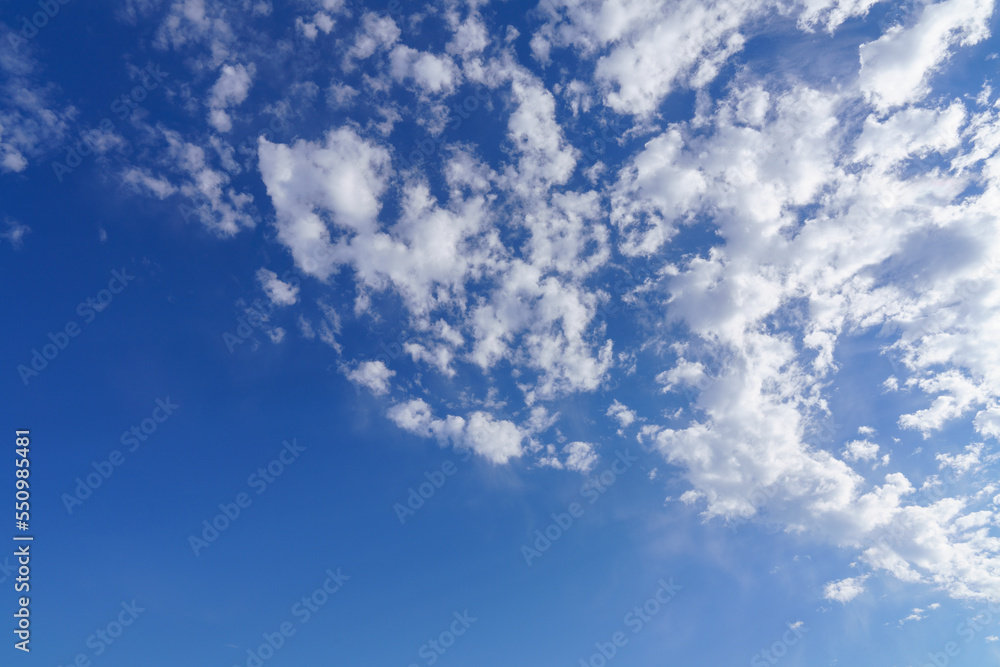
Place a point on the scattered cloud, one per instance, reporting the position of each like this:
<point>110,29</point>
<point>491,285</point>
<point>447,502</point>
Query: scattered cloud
<point>279,292</point>
<point>374,375</point>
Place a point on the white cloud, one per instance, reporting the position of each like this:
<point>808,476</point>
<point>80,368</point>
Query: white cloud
<point>209,196</point>
<point>961,393</point>
<point>278,291</point>
<point>15,233</point>
<point>831,12</point>
<point>783,180</point>
<point>962,463</point>
<point>30,120</point>
<point>202,179</point>
<point>213,27</point>
<point>414,416</point>
<point>440,356</point>
<point>632,72</point>
<point>229,91</point>
<point>540,420</point>
<point>863,450</point>
<point>320,22</point>
<point>556,316</point>
<point>432,250</point>
<point>306,328</point>
<point>343,175</point>
<point>684,374</point>
<point>376,32</point>
<point>910,132</point>
<point>896,68</point>
<point>371,374</point>
<point>433,74</point>
<point>690,497</point>
<point>470,37</point>
<point>845,590</point>
<point>918,614</point>
<point>495,439</point>
<point>580,456</point>
<point>621,413</point>
<point>143,179</point>
<point>987,422</point>
<point>793,274</point>
<point>329,326</point>
<point>545,158</point>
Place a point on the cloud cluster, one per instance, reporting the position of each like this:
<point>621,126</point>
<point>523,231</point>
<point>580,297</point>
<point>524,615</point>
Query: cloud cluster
<point>780,221</point>
<point>498,440</point>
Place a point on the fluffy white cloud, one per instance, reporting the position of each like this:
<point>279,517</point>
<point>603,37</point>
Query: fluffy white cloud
<point>797,269</point>
<point>432,73</point>
<point>429,254</point>
<point>341,177</point>
<point>470,36</point>
<point>845,590</point>
<point>988,422</point>
<point>910,132</point>
<point>229,91</point>
<point>632,71</point>
<point>620,412</point>
<point>896,68</point>
<point>321,21</point>
<point>498,440</point>
<point>212,27</point>
<point>962,463</point>
<point>860,450</point>
<point>958,394</point>
<point>555,316</point>
<point>278,291</point>
<point>815,224</point>
<point>544,156</point>
<point>371,374</point>
<point>580,456</point>
<point>831,13</point>
<point>439,356</point>
<point>377,32</point>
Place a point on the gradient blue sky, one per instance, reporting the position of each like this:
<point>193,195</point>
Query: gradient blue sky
<point>751,245</point>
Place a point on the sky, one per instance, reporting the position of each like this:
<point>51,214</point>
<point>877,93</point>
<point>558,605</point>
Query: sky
<point>598,333</point>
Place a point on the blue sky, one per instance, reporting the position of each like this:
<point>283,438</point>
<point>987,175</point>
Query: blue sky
<point>621,333</point>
